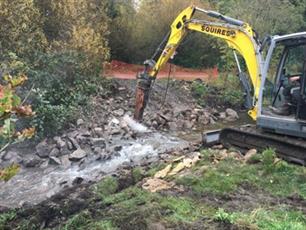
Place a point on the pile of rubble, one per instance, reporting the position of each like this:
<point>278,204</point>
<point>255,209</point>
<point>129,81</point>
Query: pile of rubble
<point>74,147</point>
<point>94,139</point>
<point>190,118</point>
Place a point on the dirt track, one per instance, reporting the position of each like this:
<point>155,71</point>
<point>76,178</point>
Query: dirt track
<point>121,70</point>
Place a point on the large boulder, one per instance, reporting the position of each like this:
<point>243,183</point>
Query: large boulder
<point>43,149</point>
<point>77,155</point>
<point>232,115</point>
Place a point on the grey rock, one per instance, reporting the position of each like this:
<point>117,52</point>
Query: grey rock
<point>222,115</point>
<point>98,131</point>
<point>59,142</point>
<point>119,112</point>
<point>118,148</point>
<point>75,144</point>
<point>54,152</point>
<point>115,131</point>
<point>77,180</point>
<point>80,122</point>
<point>65,151</point>
<point>55,161</point>
<point>232,114</point>
<point>32,161</point>
<point>43,149</point>
<point>44,165</point>
<point>188,124</point>
<point>173,126</point>
<point>98,142</point>
<point>77,155</point>
<point>212,121</point>
<point>73,134</point>
<point>97,150</point>
<point>65,161</point>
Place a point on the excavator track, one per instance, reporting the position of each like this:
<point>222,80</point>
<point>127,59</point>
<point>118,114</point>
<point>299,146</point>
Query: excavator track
<point>289,148</point>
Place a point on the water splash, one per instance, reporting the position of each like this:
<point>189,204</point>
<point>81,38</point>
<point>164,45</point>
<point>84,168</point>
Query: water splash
<point>134,125</point>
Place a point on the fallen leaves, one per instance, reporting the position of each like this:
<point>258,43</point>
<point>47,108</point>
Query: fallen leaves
<point>25,110</point>
<point>7,173</point>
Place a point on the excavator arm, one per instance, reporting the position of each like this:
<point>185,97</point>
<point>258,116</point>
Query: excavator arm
<point>237,34</point>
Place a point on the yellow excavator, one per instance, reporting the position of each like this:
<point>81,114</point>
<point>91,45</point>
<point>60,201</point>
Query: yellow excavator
<point>274,87</point>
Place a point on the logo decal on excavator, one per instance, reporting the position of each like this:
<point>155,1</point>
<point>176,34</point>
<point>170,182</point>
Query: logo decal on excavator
<point>216,30</point>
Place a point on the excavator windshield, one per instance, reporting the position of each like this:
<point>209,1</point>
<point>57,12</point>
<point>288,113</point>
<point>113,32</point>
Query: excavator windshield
<point>283,87</point>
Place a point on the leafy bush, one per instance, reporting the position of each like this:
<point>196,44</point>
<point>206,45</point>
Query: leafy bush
<point>225,90</point>
<point>63,83</point>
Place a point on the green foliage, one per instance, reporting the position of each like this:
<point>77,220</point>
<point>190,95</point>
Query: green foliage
<point>21,28</point>
<point>224,216</point>
<point>268,158</point>
<point>183,209</point>
<point>63,83</point>
<point>12,109</point>
<point>102,225</point>
<point>5,218</point>
<point>78,221</point>
<point>280,179</point>
<point>226,91</point>
<point>138,174</point>
<point>7,173</point>
<point>278,218</point>
<point>269,16</point>
<point>107,186</point>
<point>80,25</point>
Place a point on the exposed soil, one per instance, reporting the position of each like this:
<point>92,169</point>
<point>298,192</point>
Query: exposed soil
<point>122,70</point>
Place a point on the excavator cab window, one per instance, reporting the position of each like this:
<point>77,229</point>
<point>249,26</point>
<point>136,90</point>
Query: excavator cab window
<point>284,85</point>
<point>301,108</point>
<point>271,87</point>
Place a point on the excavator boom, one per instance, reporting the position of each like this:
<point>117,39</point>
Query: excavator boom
<point>237,34</point>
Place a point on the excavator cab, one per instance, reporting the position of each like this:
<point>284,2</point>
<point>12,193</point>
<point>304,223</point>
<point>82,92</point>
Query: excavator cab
<point>282,102</point>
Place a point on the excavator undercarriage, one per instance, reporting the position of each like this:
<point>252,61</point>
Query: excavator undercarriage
<point>247,137</point>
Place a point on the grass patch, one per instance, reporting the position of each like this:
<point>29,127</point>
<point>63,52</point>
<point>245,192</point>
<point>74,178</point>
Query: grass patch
<point>154,168</point>
<point>109,185</point>
<point>281,179</point>
<point>84,220</point>
<point>5,218</point>
<point>138,174</point>
<point>135,205</point>
<point>281,218</point>
<point>183,209</point>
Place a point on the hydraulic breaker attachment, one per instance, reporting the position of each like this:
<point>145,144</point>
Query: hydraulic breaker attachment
<point>142,94</point>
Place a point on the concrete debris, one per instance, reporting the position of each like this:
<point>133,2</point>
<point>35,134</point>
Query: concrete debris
<point>164,172</point>
<point>249,155</point>
<point>232,115</point>
<point>155,185</point>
